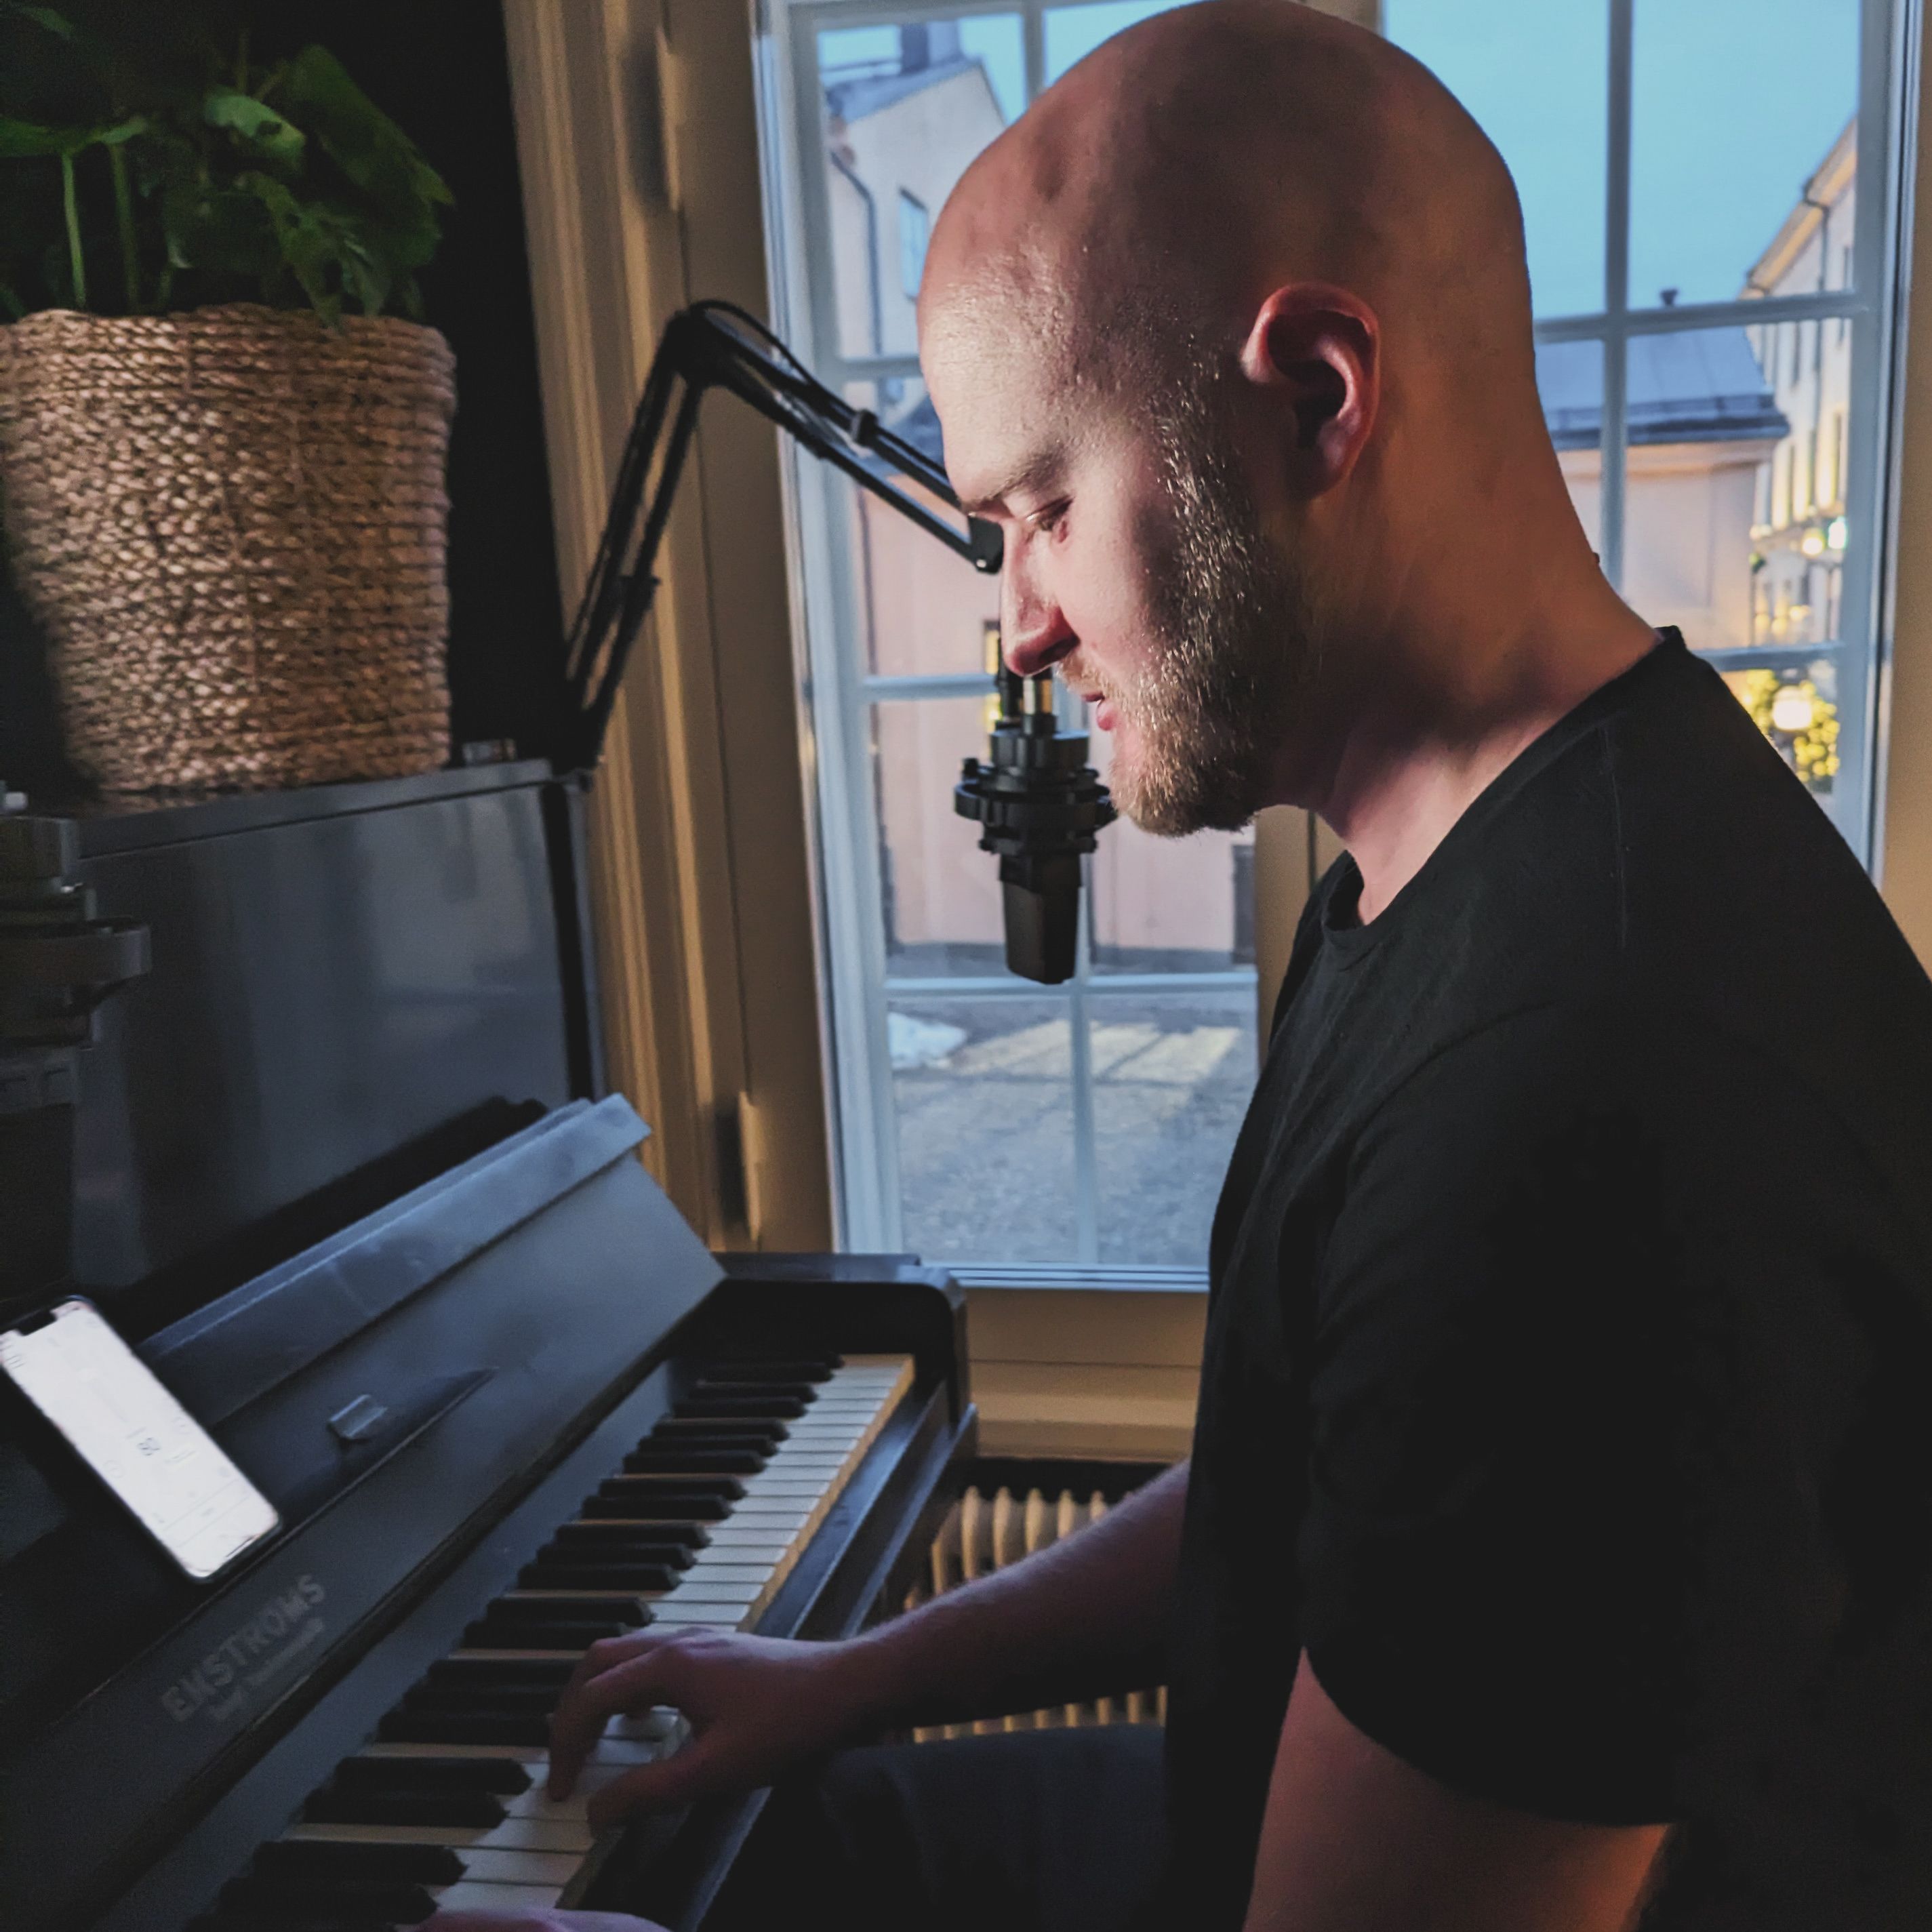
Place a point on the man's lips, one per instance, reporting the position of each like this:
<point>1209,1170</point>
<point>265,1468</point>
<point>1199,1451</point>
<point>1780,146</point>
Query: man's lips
<point>1103,714</point>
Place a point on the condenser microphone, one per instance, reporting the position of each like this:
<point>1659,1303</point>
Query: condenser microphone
<point>1040,805</point>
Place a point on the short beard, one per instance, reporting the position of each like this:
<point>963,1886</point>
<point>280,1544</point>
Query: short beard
<point>1234,627</point>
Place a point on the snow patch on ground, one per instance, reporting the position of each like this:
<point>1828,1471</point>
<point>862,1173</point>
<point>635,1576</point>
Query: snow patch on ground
<point>913,1042</point>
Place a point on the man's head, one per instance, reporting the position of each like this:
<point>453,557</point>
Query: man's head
<point>1230,334</point>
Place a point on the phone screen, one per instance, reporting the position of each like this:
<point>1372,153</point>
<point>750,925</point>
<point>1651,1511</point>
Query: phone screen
<point>79,1374</point>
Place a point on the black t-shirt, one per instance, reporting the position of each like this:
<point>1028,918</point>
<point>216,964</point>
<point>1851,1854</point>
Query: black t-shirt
<point>1567,1392</point>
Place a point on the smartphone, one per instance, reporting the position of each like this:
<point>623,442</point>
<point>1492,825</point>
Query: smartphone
<point>161,1463</point>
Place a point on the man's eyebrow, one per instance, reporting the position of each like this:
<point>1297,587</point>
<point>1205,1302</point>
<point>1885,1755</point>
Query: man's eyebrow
<point>1036,470</point>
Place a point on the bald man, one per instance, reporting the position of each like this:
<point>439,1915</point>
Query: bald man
<point>1552,1556</point>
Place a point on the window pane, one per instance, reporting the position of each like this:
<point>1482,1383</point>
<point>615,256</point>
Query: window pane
<point>1169,905</point>
<point>941,892</point>
<point>1073,33</point>
<point>1534,75</point>
<point>1739,108</point>
<point>1798,529</point>
<point>1569,379</point>
<point>907,107</point>
<point>921,610</point>
<point>983,1089</point>
<point>1172,1076</point>
<point>1703,425</point>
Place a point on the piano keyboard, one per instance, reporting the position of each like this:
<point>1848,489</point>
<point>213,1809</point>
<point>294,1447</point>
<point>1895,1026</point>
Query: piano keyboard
<point>444,1808</point>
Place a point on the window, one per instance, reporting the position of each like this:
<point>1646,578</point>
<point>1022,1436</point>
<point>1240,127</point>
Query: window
<point>1692,195</point>
<point>1698,206</point>
<point>915,227</point>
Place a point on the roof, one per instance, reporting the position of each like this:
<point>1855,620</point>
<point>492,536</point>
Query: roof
<point>1702,386</point>
<point>871,92</point>
<point>1824,189</point>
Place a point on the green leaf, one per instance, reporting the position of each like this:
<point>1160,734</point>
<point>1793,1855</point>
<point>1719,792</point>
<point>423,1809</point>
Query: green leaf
<point>224,231</point>
<point>44,16</point>
<point>21,139</point>
<point>256,123</point>
<point>368,147</point>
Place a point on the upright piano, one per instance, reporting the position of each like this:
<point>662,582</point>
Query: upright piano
<point>342,1170</point>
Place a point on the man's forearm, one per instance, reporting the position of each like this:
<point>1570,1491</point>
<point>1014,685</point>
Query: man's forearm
<point>1078,1619</point>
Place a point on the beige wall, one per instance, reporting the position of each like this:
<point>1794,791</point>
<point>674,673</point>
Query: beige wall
<point>1687,512</point>
<point>638,154</point>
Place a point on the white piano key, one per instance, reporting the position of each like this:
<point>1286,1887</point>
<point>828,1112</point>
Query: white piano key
<point>750,1545</point>
<point>518,1832</point>
<point>494,1868</point>
<point>619,1753</point>
<point>469,1895</point>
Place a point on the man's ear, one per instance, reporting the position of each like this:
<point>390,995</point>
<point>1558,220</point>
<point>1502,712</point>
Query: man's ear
<point>1321,346</point>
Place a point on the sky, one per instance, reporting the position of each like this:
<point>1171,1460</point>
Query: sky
<point>1734,103</point>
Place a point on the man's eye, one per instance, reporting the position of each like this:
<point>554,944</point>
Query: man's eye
<point>1048,520</point>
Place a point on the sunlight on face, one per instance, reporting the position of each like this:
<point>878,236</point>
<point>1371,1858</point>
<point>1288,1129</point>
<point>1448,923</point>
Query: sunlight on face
<point>1140,566</point>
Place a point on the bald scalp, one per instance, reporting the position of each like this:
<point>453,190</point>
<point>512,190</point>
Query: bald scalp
<point>1146,204</point>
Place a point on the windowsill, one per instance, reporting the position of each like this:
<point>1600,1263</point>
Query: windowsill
<point>1072,1277</point>
<point>1090,1361</point>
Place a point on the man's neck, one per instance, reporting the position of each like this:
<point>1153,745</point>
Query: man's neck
<point>1400,783</point>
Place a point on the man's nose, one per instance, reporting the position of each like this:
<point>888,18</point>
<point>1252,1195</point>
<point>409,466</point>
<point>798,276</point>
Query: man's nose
<point>1034,630</point>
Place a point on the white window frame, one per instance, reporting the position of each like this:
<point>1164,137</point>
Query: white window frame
<point>839,691</point>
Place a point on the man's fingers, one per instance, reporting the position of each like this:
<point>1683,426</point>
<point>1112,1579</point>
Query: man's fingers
<point>633,1684</point>
<point>608,1651</point>
<point>691,1773</point>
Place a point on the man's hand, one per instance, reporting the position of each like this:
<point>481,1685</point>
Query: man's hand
<point>538,1922</point>
<point>756,1706</point>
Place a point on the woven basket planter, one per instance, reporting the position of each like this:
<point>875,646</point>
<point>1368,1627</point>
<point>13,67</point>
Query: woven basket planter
<point>231,523</point>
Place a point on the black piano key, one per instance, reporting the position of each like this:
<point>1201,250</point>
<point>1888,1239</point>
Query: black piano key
<point>553,1635</point>
<point>499,1670</point>
<point>785,1407</point>
<point>721,1431</point>
<point>328,1863</point>
<point>411,1726</point>
<point>659,1502</point>
<point>482,1700</point>
<point>285,1901</point>
<point>716,1489</point>
<point>502,1775</point>
<point>674,1458</point>
<point>587,1573</point>
<point>637,1542</point>
<point>752,1389</point>
<point>774,1368</point>
<point>687,1536</point>
<point>633,1611</point>
<point>377,1805</point>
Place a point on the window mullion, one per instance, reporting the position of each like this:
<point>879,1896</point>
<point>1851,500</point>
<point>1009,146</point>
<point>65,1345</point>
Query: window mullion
<point>1613,432</point>
<point>1870,490</point>
<point>1032,28</point>
<point>1086,1155</point>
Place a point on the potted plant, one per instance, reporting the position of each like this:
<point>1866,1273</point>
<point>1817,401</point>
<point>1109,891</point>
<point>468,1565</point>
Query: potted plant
<point>221,457</point>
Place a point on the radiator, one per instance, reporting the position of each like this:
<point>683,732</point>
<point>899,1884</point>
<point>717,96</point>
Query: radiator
<point>989,1528</point>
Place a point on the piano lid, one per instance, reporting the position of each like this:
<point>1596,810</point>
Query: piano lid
<point>353,987</point>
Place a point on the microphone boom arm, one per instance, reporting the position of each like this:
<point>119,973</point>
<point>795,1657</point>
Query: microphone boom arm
<point>716,345</point>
